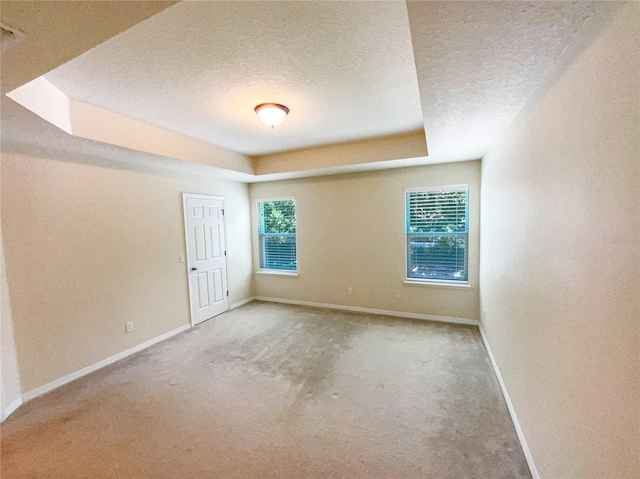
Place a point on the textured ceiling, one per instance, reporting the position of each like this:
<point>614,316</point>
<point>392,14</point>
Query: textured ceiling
<point>348,70</point>
<point>55,32</point>
<point>345,69</point>
<point>477,63</point>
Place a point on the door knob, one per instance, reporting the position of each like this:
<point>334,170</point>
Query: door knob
<point>193,268</point>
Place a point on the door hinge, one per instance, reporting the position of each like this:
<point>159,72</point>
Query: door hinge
<point>222,211</point>
<point>225,253</point>
<point>227,293</point>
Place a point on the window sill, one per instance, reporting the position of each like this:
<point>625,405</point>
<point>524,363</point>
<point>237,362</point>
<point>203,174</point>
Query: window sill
<point>439,284</point>
<point>276,272</point>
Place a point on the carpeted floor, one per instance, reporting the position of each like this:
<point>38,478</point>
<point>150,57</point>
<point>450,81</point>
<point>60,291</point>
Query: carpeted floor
<point>271,390</point>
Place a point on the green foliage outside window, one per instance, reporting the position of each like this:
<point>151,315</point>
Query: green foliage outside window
<point>278,216</point>
<point>277,235</point>
<point>437,234</point>
<point>437,211</point>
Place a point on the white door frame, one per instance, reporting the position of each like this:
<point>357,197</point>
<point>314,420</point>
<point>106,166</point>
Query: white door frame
<point>185,196</point>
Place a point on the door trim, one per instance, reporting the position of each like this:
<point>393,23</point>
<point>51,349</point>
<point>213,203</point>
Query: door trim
<point>186,196</point>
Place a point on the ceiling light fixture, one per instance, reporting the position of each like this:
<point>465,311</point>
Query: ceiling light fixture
<point>272,114</point>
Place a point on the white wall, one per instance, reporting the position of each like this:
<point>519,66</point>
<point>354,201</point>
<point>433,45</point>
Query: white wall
<point>350,233</point>
<point>560,262</point>
<point>10,388</point>
<point>90,248</point>
<point>11,391</point>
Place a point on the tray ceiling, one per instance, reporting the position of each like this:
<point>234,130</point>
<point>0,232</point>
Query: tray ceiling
<point>183,83</point>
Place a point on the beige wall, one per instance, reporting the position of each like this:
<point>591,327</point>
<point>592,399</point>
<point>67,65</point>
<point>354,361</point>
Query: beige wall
<point>90,248</point>
<point>351,234</point>
<point>559,262</point>
<point>386,148</point>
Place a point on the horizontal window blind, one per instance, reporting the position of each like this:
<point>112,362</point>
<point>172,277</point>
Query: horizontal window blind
<point>277,235</point>
<point>437,234</point>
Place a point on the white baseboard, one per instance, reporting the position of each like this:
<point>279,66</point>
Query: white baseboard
<point>383,312</point>
<point>11,408</point>
<point>241,303</point>
<point>512,411</point>
<point>34,393</point>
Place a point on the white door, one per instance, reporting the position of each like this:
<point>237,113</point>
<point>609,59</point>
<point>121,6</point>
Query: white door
<point>206,256</point>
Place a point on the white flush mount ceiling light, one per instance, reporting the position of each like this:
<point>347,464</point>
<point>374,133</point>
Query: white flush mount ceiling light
<point>272,114</point>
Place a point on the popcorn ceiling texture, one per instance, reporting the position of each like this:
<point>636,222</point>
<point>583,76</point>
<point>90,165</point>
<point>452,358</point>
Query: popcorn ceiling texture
<point>345,69</point>
<point>348,71</point>
<point>477,63</point>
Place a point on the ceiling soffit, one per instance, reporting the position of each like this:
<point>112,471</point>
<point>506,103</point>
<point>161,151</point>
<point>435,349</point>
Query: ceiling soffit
<point>352,86</point>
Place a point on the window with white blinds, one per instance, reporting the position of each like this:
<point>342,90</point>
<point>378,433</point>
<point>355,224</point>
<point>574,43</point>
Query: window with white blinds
<point>437,233</point>
<point>277,234</point>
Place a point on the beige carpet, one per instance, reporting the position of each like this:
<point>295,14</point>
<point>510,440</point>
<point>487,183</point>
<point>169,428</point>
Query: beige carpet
<point>281,391</point>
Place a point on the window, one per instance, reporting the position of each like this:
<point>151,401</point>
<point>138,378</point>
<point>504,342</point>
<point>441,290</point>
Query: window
<point>277,234</point>
<point>437,234</point>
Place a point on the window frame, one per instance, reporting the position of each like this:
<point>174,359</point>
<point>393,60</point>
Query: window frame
<point>436,282</point>
<point>275,271</point>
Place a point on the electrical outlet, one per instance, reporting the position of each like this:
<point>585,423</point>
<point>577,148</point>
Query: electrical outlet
<point>181,258</point>
<point>129,326</point>
<point>243,286</point>
<point>397,293</point>
<point>349,290</point>
<point>484,315</point>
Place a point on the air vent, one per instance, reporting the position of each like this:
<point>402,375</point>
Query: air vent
<point>10,36</point>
